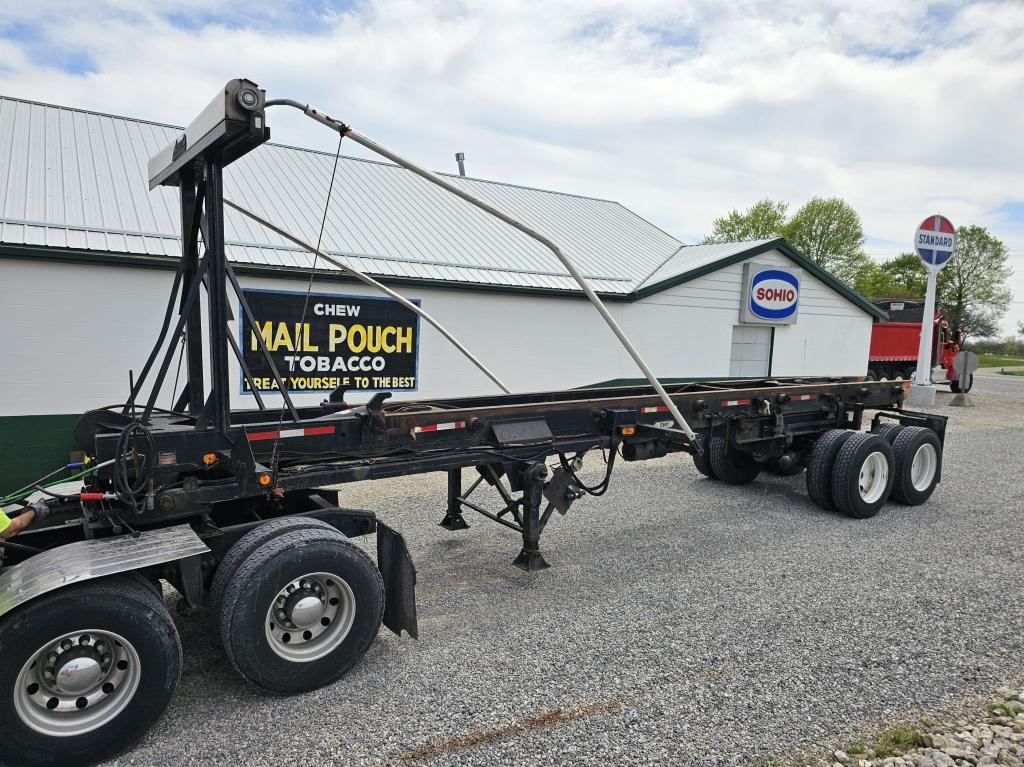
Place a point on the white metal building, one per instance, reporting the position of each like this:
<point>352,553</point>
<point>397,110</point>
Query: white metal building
<point>87,257</point>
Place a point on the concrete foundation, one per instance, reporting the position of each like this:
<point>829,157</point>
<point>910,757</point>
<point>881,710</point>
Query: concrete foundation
<point>921,396</point>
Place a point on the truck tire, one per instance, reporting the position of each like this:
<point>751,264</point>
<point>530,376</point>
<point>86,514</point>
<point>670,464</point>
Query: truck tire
<point>86,671</point>
<point>819,466</point>
<point>301,610</point>
<point>917,460</point>
<point>872,375</point>
<point>702,462</point>
<point>731,465</point>
<point>888,430</point>
<point>245,546</point>
<point>862,477</point>
<point>954,385</point>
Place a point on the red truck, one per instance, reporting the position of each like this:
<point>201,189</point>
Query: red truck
<point>894,344</point>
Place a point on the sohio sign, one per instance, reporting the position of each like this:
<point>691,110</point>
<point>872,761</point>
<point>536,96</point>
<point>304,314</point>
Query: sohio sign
<point>771,294</point>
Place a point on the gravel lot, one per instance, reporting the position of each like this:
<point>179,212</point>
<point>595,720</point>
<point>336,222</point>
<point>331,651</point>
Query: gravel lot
<point>682,621</point>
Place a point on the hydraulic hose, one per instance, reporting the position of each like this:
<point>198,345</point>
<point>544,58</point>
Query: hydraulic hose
<point>27,491</point>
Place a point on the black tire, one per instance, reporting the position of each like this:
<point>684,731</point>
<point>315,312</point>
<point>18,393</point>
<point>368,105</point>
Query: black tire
<point>120,605</point>
<point>819,466</point>
<point>245,546</point>
<point>702,462</point>
<point>269,570</point>
<point>853,493</point>
<point>909,373</point>
<point>150,583</point>
<point>906,447</point>
<point>954,385</point>
<point>872,375</point>
<point>888,430</point>
<point>730,465</point>
<point>772,465</point>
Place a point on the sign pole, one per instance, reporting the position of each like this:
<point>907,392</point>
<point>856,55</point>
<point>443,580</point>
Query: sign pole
<point>934,241</point>
<point>923,376</point>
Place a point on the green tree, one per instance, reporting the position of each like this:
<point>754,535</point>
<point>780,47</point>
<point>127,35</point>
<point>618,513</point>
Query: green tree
<point>761,221</point>
<point>907,277</point>
<point>972,286</point>
<point>1020,329</point>
<point>829,232</point>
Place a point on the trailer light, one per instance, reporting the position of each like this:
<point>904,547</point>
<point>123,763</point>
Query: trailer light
<point>628,431</point>
<point>210,458</point>
<point>264,480</point>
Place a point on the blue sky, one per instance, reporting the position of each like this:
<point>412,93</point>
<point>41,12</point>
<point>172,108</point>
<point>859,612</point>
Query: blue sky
<point>679,110</point>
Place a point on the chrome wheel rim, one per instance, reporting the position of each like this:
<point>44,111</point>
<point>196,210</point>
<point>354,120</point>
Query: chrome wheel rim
<point>77,683</point>
<point>923,467</point>
<point>874,476</point>
<point>310,617</point>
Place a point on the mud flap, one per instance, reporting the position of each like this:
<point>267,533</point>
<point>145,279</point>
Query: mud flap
<point>399,581</point>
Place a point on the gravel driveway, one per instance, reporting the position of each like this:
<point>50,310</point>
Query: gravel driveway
<point>682,621</point>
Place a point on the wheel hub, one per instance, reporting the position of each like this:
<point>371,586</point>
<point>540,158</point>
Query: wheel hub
<point>79,675</point>
<point>310,617</point>
<point>77,683</point>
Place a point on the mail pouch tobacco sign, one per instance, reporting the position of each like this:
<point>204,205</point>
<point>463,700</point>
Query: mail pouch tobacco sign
<point>357,342</point>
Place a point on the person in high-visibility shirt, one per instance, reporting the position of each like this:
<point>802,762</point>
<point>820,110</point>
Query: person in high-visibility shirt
<point>11,527</point>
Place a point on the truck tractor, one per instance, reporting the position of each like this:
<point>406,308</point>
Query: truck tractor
<point>894,344</point>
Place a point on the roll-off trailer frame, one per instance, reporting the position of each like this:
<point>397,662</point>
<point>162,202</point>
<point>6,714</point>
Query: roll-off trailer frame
<point>233,508</point>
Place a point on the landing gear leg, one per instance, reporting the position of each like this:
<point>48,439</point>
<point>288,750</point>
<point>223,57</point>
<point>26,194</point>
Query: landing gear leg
<point>453,519</point>
<point>530,558</point>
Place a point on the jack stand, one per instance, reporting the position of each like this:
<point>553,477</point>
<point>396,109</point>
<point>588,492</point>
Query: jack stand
<point>530,558</point>
<point>453,519</point>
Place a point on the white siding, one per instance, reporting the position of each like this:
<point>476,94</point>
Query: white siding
<point>71,332</point>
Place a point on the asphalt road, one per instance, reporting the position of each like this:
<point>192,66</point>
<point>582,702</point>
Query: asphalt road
<point>682,622</point>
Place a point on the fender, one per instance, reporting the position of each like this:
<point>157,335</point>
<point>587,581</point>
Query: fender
<point>85,560</point>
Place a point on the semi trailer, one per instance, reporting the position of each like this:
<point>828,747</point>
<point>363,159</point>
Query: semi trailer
<point>895,342</point>
<point>241,511</point>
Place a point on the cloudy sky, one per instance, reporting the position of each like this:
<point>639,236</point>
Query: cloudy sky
<point>680,110</point>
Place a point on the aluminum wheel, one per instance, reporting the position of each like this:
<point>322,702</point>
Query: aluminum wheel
<point>310,617</point>
<point>874,477</point>
<point>923,467</point>
<point>77,683</point>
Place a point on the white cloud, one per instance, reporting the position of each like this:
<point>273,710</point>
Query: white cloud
<point>678,110</point>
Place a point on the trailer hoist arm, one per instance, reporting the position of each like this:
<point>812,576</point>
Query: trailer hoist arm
<point>501,215</point>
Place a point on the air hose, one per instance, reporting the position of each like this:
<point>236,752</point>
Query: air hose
<point>25,492</point>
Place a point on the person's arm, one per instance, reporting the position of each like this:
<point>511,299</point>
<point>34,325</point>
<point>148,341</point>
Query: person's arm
<point>11,527</point>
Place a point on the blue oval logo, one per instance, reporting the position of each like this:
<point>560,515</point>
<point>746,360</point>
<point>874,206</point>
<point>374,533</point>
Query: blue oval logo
<point>774,294</point>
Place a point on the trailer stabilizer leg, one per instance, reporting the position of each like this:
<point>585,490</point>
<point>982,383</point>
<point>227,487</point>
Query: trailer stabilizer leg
<point>453,519</point>
<point>530,558</point>
<point>399,575</point>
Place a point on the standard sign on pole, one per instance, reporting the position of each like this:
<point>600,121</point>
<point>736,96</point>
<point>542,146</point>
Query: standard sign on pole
<point>934,242</point>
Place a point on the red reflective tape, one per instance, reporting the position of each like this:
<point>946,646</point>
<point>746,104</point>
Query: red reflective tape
<point>256,436</point>
<point>734,402</point>
<point>805,396</point>
<point>316,430</point>
<point>658,409</point>
<point>312,431</point>
<point>439,427</point>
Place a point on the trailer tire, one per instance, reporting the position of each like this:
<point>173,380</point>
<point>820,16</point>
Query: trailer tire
<point>820,464</point>
<point>102,707</point>
<point>862,477</point>
<point>731,465</point>
<point>245,546</point>
<point>702,462</point>
<point>917,459</point>
<point>872,375</point>
<point>954,385</point>
<point>318,565</point>
<point>888,430</point>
